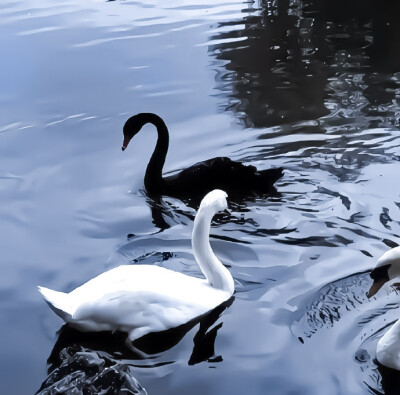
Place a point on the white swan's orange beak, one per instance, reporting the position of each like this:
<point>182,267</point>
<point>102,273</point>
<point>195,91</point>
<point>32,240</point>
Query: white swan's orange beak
<point>375,287</point>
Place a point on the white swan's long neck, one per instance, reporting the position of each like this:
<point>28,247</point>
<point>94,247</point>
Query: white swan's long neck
<point>216,273</point>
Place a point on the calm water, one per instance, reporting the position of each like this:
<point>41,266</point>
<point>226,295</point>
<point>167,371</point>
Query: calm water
<point>312,86</point>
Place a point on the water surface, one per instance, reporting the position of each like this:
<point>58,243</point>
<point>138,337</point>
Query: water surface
<point>309,86</point>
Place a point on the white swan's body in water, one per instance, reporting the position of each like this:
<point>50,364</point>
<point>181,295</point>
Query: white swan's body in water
<point>388,348</point>
<point>140,299</point>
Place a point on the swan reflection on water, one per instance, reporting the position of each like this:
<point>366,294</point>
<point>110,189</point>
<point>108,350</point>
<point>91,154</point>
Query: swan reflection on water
<point>94,362</point>
<point>167,212</point>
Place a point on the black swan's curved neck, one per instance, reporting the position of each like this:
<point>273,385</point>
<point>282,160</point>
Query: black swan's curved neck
<point>153,178</point>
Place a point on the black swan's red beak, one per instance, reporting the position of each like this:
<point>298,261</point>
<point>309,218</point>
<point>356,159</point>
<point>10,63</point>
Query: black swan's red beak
<point>125,143</point>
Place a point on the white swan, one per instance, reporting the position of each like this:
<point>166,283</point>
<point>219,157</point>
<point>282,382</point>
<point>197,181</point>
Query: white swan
<point>388,348</point>
<point>140,299</point>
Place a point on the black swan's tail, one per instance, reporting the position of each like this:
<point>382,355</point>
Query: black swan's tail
<point>272,175</point>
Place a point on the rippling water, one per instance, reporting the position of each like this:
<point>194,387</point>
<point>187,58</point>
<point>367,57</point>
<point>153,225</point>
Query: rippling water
<point>310,86</point>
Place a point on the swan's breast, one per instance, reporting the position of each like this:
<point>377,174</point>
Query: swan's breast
<point>388,348</point>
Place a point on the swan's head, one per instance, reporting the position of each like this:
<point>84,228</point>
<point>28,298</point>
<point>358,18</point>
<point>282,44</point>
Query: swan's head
<point>387,268</point>
<point>215,201</point>
<point>132,127</point>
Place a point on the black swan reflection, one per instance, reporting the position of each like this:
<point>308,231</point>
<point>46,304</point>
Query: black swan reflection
<point>194,182</point>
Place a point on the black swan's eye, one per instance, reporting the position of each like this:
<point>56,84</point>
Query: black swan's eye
<point>380,273</point>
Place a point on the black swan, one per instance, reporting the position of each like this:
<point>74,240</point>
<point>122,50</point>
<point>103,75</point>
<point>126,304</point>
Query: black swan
<point>194,182</point>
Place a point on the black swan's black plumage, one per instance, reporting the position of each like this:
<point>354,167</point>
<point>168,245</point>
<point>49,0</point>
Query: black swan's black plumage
<point>236,179</point>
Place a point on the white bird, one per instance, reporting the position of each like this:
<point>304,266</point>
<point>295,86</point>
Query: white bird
<point>140,299</point>
<point>388,348</point>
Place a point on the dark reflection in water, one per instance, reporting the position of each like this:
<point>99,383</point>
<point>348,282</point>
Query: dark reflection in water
<point>390,380</point>
<point>203,341</point>
<point>99,362</point>
<point>80,370</point>
<point>165,212</point>
<point>159,210</point>
<point>323,74</point>
<point>298,60</point>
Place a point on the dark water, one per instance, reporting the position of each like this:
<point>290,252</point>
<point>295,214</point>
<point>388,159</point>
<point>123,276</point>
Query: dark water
<point>310,86</point>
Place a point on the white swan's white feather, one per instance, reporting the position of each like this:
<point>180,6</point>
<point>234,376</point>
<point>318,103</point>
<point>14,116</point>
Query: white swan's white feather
<point>388,347</point>
<point>140,299</point>
<point>389,257</point>
<point>59,302</point>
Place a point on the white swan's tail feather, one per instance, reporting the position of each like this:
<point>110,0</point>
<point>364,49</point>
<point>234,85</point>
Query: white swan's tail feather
<point>59,302</point>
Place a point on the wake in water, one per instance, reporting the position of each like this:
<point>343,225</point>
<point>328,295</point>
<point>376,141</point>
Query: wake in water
<point>327,306</point>
<point>359,323</point>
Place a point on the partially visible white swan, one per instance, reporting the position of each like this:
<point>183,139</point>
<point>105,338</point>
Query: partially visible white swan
<point>387,268</point>
<point>140,299</point>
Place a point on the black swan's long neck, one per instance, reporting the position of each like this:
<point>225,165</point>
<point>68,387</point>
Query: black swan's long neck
<point>153,178</point>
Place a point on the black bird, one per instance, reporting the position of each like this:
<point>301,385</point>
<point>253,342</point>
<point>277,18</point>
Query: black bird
<point>237,179</point>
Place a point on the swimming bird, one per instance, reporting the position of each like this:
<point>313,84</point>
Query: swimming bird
<point>387,268</point>
<point>141,299</point>
<point>237,179</point>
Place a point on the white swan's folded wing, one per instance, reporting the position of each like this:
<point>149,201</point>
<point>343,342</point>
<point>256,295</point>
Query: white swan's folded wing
<point>150,297</point>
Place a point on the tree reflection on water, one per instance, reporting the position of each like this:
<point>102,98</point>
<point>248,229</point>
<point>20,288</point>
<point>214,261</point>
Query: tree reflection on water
<point>288,61</point>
